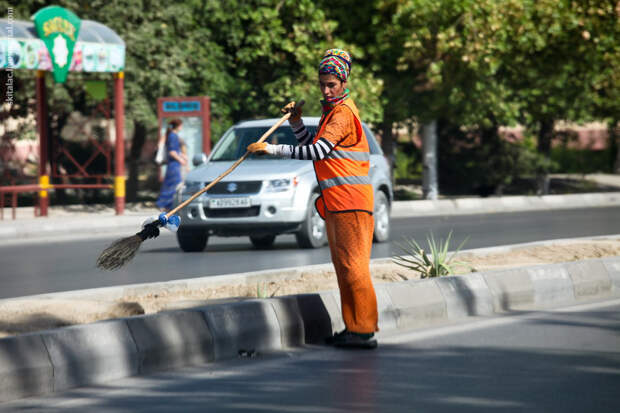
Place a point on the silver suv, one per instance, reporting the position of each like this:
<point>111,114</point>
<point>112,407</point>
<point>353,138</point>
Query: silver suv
<point>267,196</point>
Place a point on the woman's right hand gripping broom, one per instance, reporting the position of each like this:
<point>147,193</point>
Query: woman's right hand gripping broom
<point>294,109</point>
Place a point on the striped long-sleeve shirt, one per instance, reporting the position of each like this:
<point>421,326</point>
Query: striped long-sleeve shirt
<point>305,148</point>
<point>333,134</point>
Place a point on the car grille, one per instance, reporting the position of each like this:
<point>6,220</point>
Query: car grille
<point>232,212</point>
<point>235,187</point>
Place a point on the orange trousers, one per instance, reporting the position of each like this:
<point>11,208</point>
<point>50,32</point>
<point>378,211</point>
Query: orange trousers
<point>350,243</point>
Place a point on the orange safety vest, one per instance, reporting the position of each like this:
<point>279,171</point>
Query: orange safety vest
<point>343,173</point>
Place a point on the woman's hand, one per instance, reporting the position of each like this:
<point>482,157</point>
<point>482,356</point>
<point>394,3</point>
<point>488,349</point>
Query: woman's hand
<point>295,112</point>
<point>185,162</point>
<point>258,147</point>
<point>178,157</point>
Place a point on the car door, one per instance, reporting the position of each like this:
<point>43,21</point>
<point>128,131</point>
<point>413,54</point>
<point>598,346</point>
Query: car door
<point>377,173</point>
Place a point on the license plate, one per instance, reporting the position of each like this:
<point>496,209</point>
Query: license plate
<point>229,203</point>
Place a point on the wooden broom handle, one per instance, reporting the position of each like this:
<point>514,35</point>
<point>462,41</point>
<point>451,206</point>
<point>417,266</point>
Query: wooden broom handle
<point>233,166</point>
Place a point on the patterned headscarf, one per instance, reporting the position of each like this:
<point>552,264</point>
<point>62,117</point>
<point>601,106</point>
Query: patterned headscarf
<point>336,62</point>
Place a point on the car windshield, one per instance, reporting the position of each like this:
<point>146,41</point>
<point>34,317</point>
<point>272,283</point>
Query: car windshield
<point>236,140</point>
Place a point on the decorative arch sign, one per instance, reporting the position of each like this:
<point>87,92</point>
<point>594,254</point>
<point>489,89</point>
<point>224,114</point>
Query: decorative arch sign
<point>50,43</point>
<point>58,28</point>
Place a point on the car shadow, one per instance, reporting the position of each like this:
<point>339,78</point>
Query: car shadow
<point>278,246</point>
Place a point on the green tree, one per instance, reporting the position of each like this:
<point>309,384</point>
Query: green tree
<point>606,82</point>
<point>160,61</point>
<point>486,63</point>
<point>561,54</point>
<point>250,57</point>
<point>431,61</point>
<point>272,50</point>
<point>470,65</point>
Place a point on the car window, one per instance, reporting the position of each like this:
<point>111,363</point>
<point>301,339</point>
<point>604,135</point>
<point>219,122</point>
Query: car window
<point>375,149</point>
<point>236,140</point>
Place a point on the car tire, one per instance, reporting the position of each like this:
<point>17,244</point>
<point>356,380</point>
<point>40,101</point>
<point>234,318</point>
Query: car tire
<point>263,242</point>
<point>313,233</point>
<point>192,240</point>
<point>382,217</point>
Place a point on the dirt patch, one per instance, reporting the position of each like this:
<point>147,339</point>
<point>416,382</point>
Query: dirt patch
<point>546,254</point>
<point>26,315</point>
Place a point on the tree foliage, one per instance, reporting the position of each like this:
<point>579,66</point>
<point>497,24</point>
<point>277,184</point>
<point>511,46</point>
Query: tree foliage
<point>472,65</point>
<point>250,57</point>
<point>482,64</point>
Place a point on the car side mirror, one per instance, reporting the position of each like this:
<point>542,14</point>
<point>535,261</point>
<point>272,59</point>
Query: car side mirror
<point>199,159</point>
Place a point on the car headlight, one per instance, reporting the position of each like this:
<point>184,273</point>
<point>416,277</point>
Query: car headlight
<point>280,185</point>
<point>192,187</point>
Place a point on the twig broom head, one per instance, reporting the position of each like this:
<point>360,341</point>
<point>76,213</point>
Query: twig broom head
<point>121,251</point>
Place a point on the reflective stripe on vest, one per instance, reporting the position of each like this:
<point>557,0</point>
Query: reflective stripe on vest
<point>343,173</point>
<point>356,156</point>
<point>344,180</point>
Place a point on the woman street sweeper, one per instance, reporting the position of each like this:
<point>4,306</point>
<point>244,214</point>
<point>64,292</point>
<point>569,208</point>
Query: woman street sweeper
<point>341,159</point>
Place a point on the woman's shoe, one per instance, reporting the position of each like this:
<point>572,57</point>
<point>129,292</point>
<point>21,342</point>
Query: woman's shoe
<point>332,339</point>
<point>350,339</point>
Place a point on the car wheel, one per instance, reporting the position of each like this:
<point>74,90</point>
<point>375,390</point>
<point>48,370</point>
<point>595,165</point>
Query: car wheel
<point>382,217</point>
<point>192,240</point>
<point>263,242</point>
<point>312,233</point>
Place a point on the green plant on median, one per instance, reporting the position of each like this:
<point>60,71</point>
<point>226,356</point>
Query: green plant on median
<point>438,264</point>
<point>262,291</point>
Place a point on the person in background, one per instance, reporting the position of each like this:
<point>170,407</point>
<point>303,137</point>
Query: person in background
<point>341,158</point>
<point>175,160</point>
<point>185,168</point>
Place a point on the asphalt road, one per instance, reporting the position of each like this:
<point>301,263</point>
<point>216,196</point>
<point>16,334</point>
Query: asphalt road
<point>556,361</point>
<point>51,266</point>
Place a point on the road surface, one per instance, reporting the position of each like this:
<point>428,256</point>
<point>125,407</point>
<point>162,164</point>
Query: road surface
<point>43,267</point>
<point>550,361</point>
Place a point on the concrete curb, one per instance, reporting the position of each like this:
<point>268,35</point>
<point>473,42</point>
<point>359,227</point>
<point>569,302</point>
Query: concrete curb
<point>243,326</point>
<point>171,339</point>
<point>91,353</point>
<point>54,360</point>
<point>465,206</point>
<point>106,223</point>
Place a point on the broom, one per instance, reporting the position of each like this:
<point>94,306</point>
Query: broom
<point>121,251</point>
